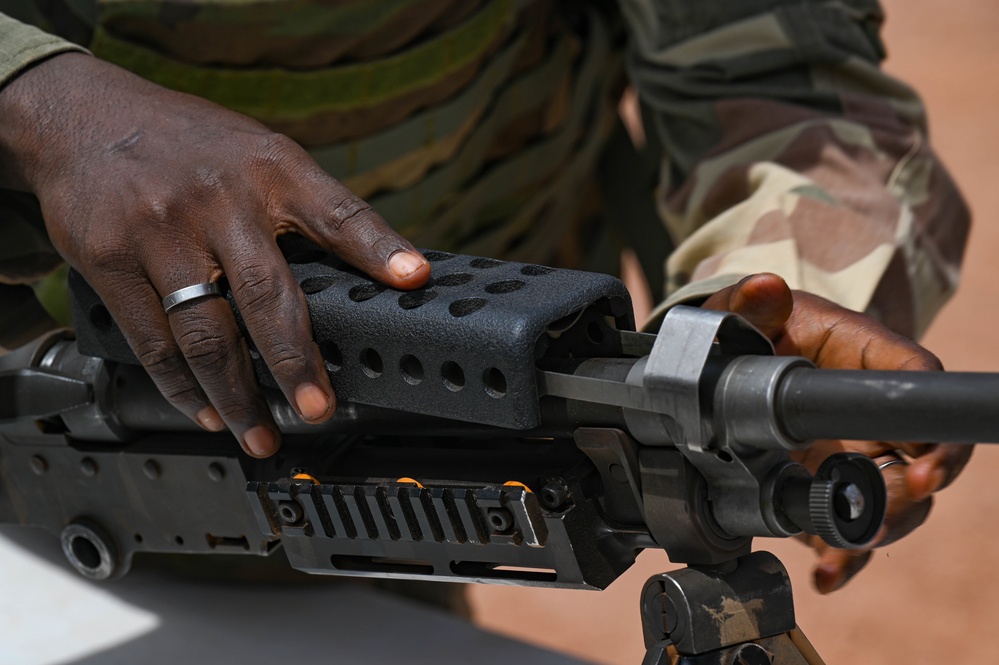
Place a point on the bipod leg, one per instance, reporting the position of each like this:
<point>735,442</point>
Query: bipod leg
<point>737,613</point>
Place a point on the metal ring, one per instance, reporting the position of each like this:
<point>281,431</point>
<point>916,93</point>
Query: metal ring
<point>896,459</point>
<point>189,293</point>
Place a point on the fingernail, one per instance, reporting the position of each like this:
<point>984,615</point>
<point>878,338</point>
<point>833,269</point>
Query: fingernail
<point>404,264</point>
<point>923,483</point>
<point>312,402</point>
<point>828,578</point>
<point>937,478</point>
<point>260,441</point>
<point>210,419</point>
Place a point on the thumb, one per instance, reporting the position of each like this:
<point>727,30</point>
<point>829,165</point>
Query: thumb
<point>763,299</point>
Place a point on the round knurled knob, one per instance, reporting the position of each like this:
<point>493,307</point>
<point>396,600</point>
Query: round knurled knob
<point>820,508</point>
<point>847,500</point>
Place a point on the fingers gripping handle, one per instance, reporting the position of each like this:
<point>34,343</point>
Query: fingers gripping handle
<point>422,351</point>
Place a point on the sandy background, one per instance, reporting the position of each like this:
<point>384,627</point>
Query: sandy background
<point>934,597</point>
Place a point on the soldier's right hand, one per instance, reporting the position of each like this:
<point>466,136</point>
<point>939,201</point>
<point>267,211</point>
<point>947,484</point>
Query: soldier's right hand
<point>146,191</point>
<point>804,324</point>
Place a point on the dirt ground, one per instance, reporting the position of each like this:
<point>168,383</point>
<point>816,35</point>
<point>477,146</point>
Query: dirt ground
<point>931,598</point>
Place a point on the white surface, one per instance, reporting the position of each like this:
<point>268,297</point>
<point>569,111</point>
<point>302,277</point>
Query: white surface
<point>50,616</point>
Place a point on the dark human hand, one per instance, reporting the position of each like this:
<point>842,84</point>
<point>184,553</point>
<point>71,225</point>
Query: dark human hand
<point>803,324</point>
<point>146,191</point>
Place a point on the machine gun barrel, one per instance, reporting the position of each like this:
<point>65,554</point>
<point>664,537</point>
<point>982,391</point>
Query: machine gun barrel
<point>952,407</point>
<point>769,401</point>
<point>807,405</point>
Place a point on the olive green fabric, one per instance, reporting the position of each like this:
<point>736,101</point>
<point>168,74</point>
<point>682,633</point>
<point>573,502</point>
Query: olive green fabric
<point>325,104</point>
<point>25,251</point>
<point>22,45</point>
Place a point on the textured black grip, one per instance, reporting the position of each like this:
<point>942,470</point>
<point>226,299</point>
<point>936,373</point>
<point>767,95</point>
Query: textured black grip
<point>463,347</point>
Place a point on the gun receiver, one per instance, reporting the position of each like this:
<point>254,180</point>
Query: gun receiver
<point>503,424</point>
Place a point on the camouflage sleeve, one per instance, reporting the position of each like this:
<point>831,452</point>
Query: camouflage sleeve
<point>22,45</point>
<point>788,150</point>
<point>26,253</point>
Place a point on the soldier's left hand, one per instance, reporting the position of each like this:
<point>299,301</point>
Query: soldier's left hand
<point>832,337</point>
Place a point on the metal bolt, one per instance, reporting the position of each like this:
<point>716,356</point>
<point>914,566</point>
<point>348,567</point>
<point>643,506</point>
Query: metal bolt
<point>152,469</point>
<point>88,466</point>
<point>655,615</point>
<point>216,472</point>
<point>670,615</point>
<point>554,494</point>
<point>500,519</point>
<point>89,550</point>
<point>38,464</point>
<point>660,614</point>
<point>848,502</point>
<point>289,512</point>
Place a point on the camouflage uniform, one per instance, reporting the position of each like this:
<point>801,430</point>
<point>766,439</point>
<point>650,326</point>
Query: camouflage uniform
<point>775,142</point>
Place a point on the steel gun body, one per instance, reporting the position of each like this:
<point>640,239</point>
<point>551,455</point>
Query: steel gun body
<point>504,424</point>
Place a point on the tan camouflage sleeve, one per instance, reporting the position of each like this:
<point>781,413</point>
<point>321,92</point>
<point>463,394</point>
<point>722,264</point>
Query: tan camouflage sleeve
<point>788,150</point>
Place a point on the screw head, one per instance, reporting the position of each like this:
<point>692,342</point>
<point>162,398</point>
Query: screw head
<point>88,467</point>
<point>151,469</point>
<point>554,494</point>
<point>500,519</point>
<point>216,472</point>
<point>290,512</point>
<point>659,613</point>
<point>38,465</point>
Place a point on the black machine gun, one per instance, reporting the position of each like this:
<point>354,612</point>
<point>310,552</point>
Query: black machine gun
<point>503,424</point>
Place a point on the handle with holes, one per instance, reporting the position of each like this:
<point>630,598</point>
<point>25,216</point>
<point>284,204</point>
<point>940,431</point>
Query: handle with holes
<point>462,347</point>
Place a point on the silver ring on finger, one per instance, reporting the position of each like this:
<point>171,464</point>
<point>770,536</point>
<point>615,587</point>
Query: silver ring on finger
<point>189,293</point>
<point>896,458</point>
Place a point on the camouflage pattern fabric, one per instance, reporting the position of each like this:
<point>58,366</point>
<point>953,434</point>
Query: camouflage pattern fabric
<point>321,104</point>
<point>788,150</point>
<point>476,126</point>
<point>429,134</point>
<point>26,252</point>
